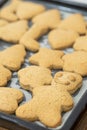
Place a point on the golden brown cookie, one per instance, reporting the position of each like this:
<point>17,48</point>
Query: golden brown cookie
<point>74,22</point>
<point>71,81</point>
<point>5,76</point>
<point>13,57</point>
<point>46,105</point>
<point>34,76</point>
<point>48,58</point>
<point>27,10</point>
<point>12,32</point>
<point>76,62</point>
<point>3,22</point>
<point>61,39</point>
<point>9,99</point>
<point>9,11</point>
<point>35,32</point>
<point>30,44</point>
<point>50,18</point>
<point>81,44</point>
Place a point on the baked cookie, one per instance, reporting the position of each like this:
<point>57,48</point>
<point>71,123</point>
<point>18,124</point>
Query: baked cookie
<point>13,57</point>
<point>9,11</point>
<point>50,101</point>
<point>35,32</point>
<point>34,76</point>
<point>48,58</point>
<point>27,10</point>
<point>30,44</point>
<point>61,39</point>
<point>76,62</point>
<point>12,32</point>
<point>81,44</point>
<point>3,22</point>
<point>71,81</point>
<point>74,22</point>
<point>50,18</point>
<point>5,76</point>
<point>9,99</point>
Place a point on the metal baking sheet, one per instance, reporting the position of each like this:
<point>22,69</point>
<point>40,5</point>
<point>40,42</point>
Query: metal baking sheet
<point>80,97</point>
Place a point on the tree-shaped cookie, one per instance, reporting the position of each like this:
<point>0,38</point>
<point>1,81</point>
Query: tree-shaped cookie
<point>5,76</point>
<point>46,105</point>
<point>51,18</point>
<point>71,81</point>
<point>74,22</point>
<point>12,32</point>
<point>81,43</point>
<point>48,58</point>
<point>27,10</point>
<point>9,99</point>
<point>34,76</point>
<point>13,57</point>
<point>61,39</point>
<point>76,62</point>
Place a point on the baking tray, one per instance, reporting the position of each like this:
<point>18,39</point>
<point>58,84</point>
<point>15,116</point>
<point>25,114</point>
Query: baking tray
<point>79,3</point>
<point>80,97</point>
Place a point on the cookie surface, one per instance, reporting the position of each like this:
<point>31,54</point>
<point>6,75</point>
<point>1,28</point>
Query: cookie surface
<point>5,76</point>
<point>9,12</point>
<point>13,57</point>
<point>50,18</point>
<point>35,32</point>
<point>9,99</point>
<point>71,81</point>
<point>81,44</point>
<point>34,76</point>
<point>74,22</point>
<point>3,22</point>
<point>61,39</point>
<point>47,58</point>
<point>30,44</point>
<point>76,62</point>
<point>27,10</point>
<point>12,32</point>
<point>50,101</point>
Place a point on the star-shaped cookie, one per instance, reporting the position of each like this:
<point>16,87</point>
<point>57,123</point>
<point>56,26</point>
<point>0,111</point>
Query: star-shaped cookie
<point>48,58</point>
<point>13,57</point>
<point>9,99</point>
<point>76,62</point>
<point>34,76</point>
<point>74,22</point>
<point>5,76</point>
<point>61,39</point>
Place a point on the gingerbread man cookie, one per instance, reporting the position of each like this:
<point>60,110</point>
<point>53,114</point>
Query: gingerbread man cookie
<point>50,101</point>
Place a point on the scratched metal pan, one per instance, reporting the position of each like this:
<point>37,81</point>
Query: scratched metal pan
<point>80,97</point>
